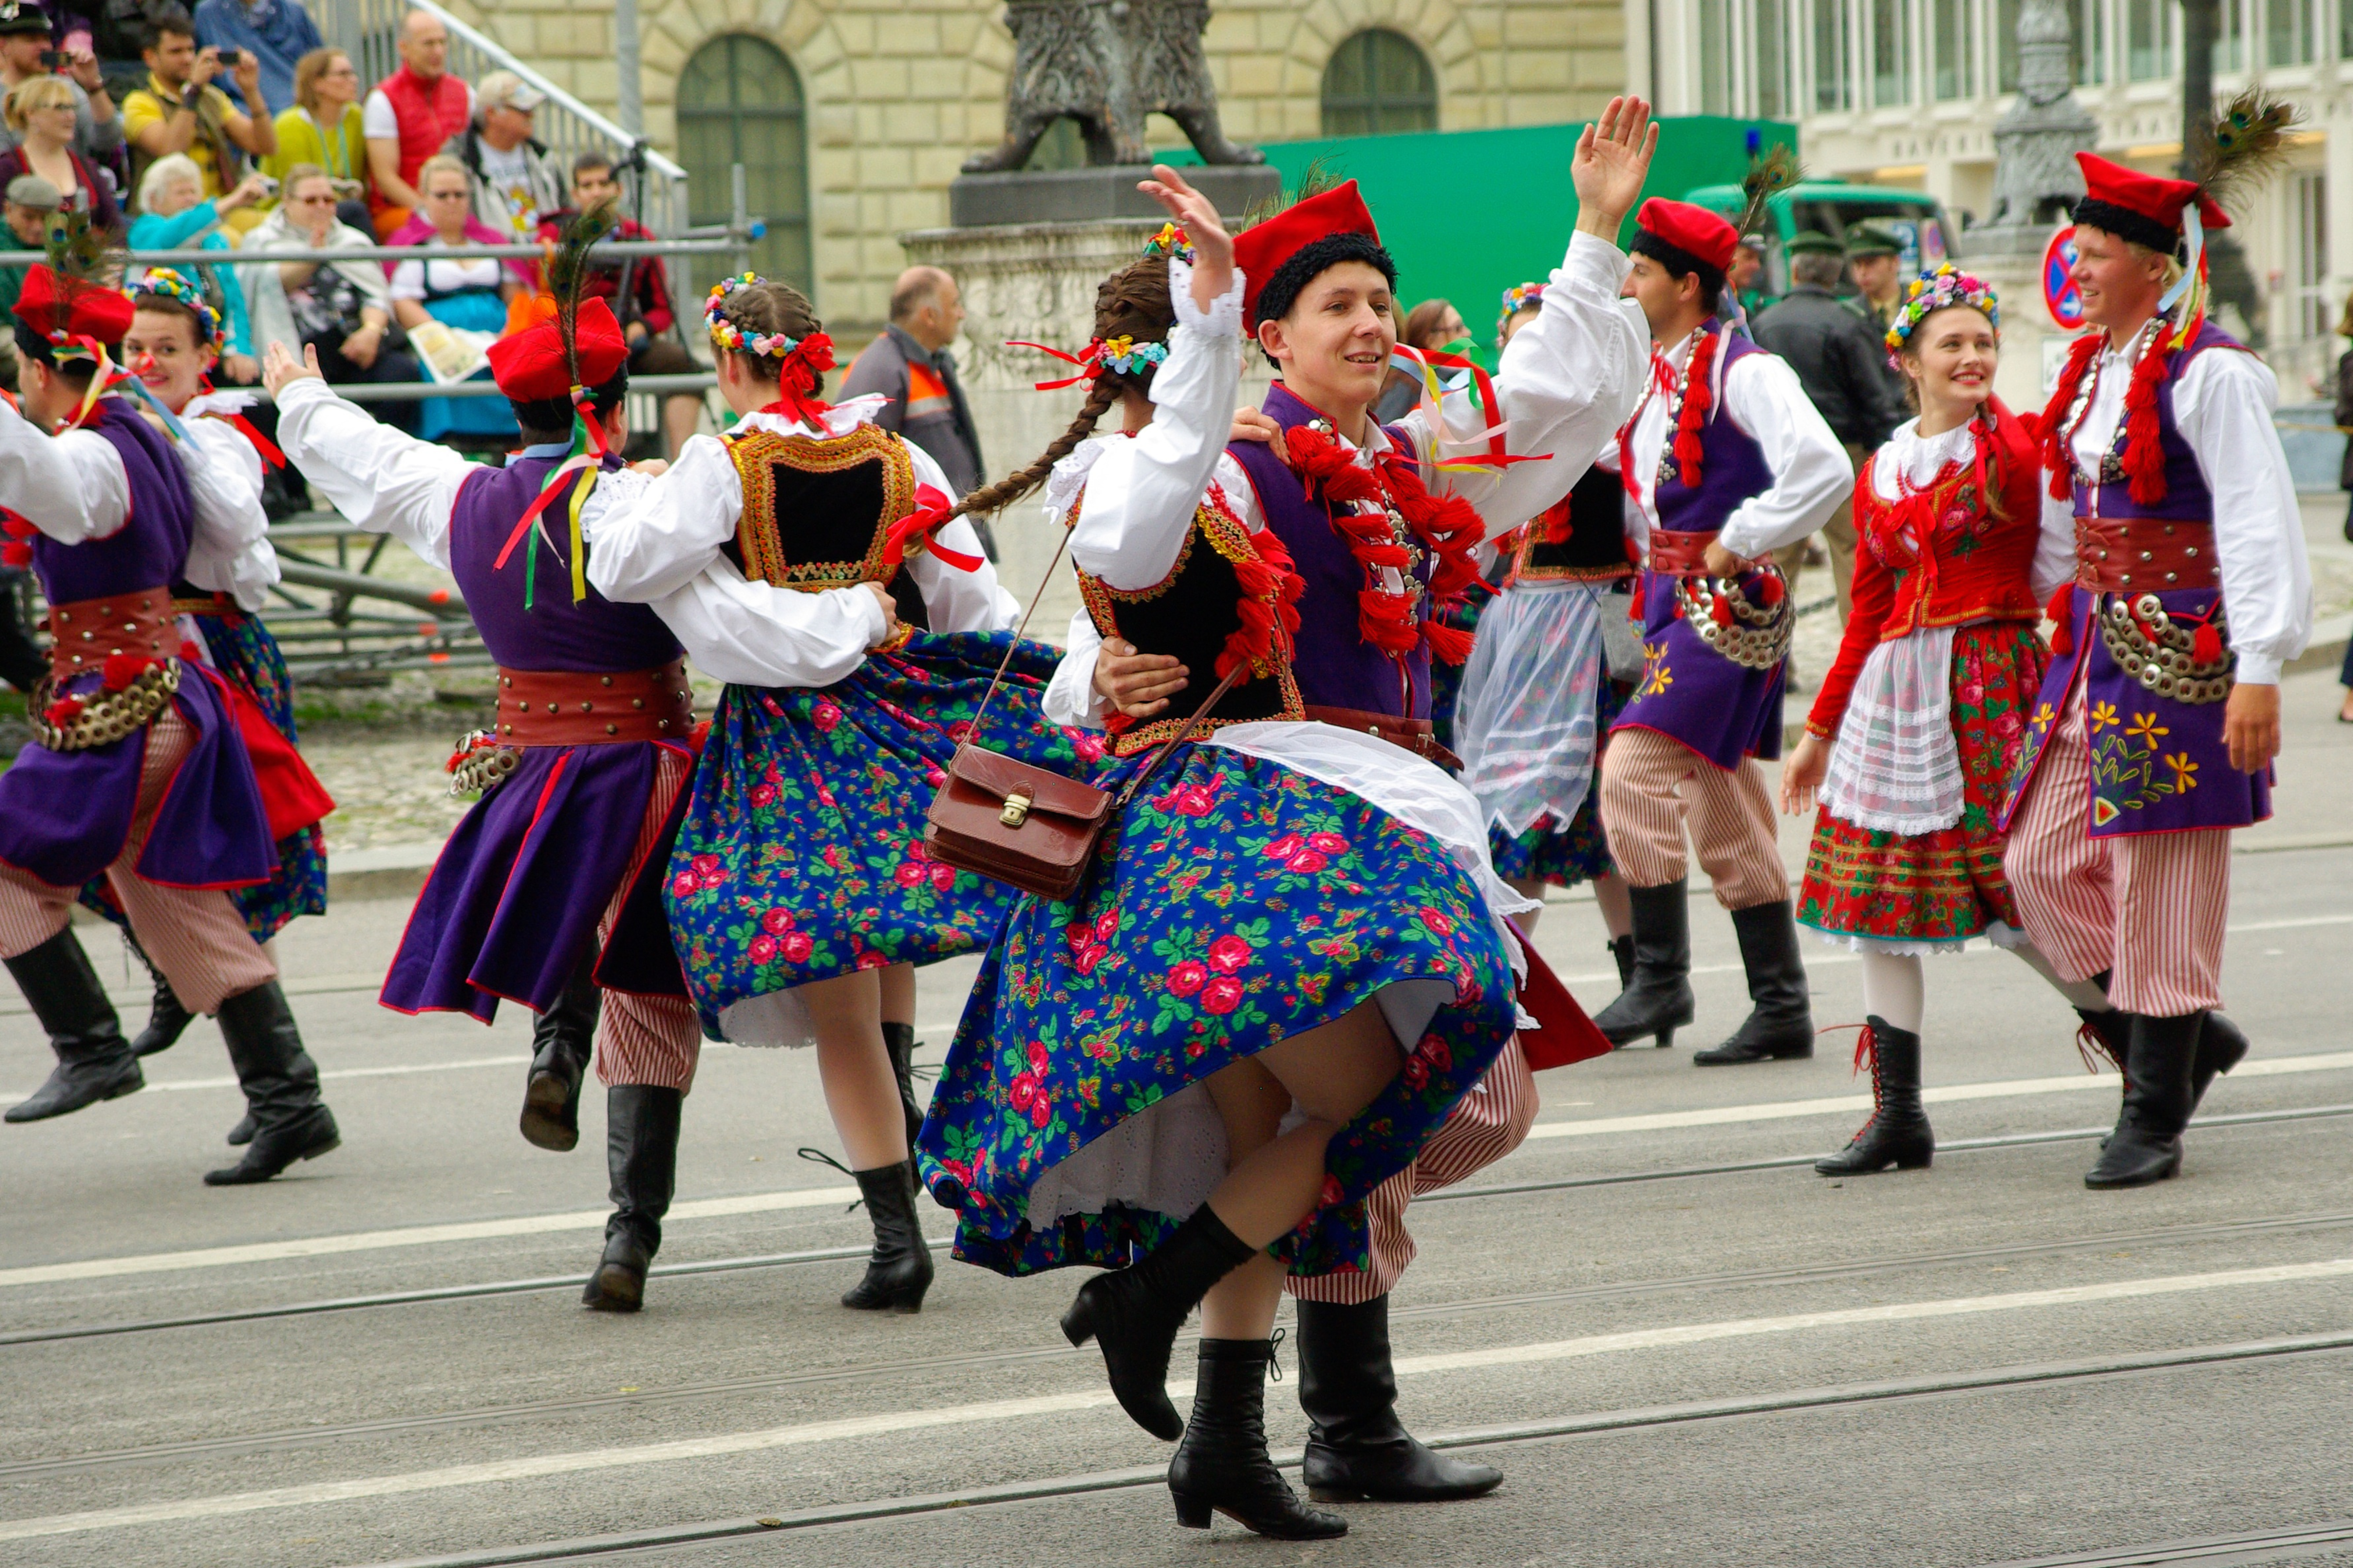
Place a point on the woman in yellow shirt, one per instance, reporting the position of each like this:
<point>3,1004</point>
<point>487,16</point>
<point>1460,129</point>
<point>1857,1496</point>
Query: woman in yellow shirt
<point>323,127</point>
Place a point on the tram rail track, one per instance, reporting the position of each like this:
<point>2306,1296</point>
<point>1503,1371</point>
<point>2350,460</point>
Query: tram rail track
<point>838,1254</point>
<point>304,1438</point>
<point>655,1543</point>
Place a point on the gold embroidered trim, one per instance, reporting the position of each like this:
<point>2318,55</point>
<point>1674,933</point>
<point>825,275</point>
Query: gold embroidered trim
<point>759,535</point>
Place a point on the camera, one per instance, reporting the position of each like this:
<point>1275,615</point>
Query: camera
<point>228,58</point>
<point>53,59</point>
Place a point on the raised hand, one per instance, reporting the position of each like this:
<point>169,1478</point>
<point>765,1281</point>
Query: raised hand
<point>1213,247</point>
<point>279,369</point>
<point>1611,161</point>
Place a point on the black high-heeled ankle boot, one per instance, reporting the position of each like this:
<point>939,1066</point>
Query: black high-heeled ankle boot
<point>1222,1466</point>
<point>899,1040</point>
<point>1897,1133</point>
<point>900,1271</point>
<point>641,1124</point>
<point>1657,1001</point>
<point>1133,1314</point>
<point>563,1039</point>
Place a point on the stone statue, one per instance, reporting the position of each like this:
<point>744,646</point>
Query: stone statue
<point>2035,179</point>
<point>1107,64</point>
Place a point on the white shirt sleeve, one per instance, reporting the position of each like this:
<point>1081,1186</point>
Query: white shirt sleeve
<point>409,280</point>
<point>655,533</point>
<point>1810,472</point>
<point>379,479</point>
<point>2054,550</point>
<point>377,120</point>
<point>2223,405</point>
<point>1567,382</point>
<point>230,551</point>
<point>1142,494</point>
<point>71,487</point>
<point>955,600</point>
<point>1071,700</point>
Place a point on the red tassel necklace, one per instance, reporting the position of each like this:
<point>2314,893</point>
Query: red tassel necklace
<point>1447,526</point>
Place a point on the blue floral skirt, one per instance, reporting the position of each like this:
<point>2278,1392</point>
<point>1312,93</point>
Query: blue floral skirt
<point>801,855</point>
<point>247,657</point>
<point>1234,903</point>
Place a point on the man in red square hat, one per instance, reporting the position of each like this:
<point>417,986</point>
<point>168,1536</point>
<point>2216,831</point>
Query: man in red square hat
<point>1724,462</point>
<point>2174,550</point>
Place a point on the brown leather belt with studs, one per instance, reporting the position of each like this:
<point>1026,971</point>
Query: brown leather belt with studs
<point>568,708</point>
<point>1414,735</point>
<point>85,632</point>
<point>1679,554</point>
<point>2145,554</point>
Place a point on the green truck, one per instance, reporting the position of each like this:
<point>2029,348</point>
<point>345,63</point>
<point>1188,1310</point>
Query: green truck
<point>1832,207</point>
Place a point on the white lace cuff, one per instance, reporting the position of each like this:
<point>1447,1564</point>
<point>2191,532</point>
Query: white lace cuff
<point>1070,477</point>
<point>1224,316</point>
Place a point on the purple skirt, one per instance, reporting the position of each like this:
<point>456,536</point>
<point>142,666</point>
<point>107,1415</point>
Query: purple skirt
<point>66,815</point>
<point>511,906</point>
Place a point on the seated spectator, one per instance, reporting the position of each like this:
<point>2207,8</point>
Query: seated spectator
<point>179,110</point>
<point>517,181</point>
<point>322,131</point>
<point>31,202</point>
<point>24,39</point>
<point>470,295</point>
<point>40,111</point>
<point>274,33</point>
<point>645,315</point>
<point>413,114</point>
<point>342,308</point>
<point>173,213</point>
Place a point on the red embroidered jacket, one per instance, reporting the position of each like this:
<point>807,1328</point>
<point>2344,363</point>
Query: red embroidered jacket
<point>1976,564</point>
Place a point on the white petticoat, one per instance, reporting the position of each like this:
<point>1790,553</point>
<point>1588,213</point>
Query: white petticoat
<point>1526,724</point>
<point>1895,766</point>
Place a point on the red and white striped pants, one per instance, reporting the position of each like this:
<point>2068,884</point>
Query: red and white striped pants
<point>1488,1123</point>
<point>652,1040</point>
<point>1651,786</point>
<point>194,935</point>
<point>2150,908</point>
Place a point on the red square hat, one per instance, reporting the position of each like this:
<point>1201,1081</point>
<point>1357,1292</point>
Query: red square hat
<point>2144,208</point>
<point>530,365</point>
<point>1698,233</point>
<point>1261,249</point>
<point>60,312</point>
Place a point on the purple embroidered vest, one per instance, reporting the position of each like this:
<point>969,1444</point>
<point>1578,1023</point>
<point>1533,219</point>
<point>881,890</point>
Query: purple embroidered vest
<point>1335,667</point>
<point>150,548</point>
<point>553,634</point>
<point>1732,465</point>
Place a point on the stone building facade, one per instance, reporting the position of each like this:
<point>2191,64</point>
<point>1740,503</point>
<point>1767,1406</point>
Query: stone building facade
<point>879,101</point>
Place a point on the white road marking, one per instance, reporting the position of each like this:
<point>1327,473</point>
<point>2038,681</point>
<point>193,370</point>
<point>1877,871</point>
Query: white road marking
<point>534,1466</point>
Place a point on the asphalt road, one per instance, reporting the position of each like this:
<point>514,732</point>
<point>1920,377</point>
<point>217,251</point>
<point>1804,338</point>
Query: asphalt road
<point>1702,1357</point>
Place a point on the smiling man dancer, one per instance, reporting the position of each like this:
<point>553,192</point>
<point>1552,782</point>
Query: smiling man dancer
<point>1725,462</point>
<point>2171,528</point>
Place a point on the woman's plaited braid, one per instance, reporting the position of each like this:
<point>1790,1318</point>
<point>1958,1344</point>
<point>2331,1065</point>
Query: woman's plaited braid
<point>1133,302</point>
<point>764,310</point>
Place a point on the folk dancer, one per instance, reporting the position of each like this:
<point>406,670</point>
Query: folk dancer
<point>800,895</point>
<point>1276,896</point>
<point>1724,462</point>
<point>139,770</point>
<point>2171,524</point>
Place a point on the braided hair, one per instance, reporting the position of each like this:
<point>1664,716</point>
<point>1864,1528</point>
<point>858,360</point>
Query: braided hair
<point>1133,302</point>
<point>767,309</point>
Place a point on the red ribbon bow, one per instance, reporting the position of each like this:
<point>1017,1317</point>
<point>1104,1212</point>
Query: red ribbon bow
<point>1090,363</point>
<point>913,532</point>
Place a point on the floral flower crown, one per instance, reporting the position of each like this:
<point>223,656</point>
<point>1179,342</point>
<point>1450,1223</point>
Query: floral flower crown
<point>727,335</point>
<point>1520,296</point>
<point>1932,291</point>
<point>1126,356</point>
<point>1170,241</point>
<point>164,283</point>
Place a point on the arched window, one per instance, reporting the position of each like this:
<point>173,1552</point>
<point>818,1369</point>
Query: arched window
<point>740,102</point>
<point>1378,81</point>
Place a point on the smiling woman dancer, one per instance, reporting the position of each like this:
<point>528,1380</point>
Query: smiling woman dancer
<point>1292,962</point>
<point>1912,737</point>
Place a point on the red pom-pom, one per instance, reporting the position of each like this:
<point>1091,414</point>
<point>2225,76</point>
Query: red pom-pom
<point>1771,590</point>
<point>16,552</point>
<point>122,668</point>
<point>1446,644</point>
<point>64,710</point>
<point>1721,611</point>
<point>2206,646</point>
<point>2062,609</point>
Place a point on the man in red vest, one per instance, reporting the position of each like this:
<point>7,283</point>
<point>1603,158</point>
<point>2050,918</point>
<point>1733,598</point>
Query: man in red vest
<point>410,116</point>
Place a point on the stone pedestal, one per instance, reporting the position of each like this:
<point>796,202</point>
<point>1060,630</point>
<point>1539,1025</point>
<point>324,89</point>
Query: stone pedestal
<point>2033,345</point>
<point>1096,193</point>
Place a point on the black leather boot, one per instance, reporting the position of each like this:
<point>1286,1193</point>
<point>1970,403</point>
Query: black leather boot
<point>94,1061</point>
<point>641,1150</point>
<point>2146,1144</point>
<point>1658,1000</point>
<point>1133,1314</point>
<point>2221,1048</point>
<point>563,1039</point>
<point>1781,1023</point>
<point>1222,1466</point>
<point>166,1019</point>
<point>242,1134</point>
<point>900,1271</point>
<point>1621,951</point>
<point>1357,1448</point>
<point>899,1040</point>
<point>281,1087</point>
<point>1897,1133</point>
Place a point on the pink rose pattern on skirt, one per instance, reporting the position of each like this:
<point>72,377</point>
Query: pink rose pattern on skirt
<point>1235,903</point>
<point>801,855</point>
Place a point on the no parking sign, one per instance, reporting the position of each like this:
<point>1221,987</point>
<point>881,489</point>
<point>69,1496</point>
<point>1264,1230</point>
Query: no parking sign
<point>2058,292</point>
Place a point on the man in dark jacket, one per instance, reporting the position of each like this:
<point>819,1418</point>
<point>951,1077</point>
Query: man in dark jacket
<point>1836,358</point>
<point>911,365</point>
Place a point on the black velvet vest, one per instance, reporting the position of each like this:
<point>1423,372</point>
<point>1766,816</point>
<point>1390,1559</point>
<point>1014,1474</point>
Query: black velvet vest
<point>817,511</point>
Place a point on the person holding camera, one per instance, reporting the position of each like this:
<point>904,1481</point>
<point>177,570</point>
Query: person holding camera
<point>25,53</point>
<point>179,110</point>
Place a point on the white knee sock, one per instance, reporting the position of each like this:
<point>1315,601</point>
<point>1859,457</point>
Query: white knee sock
<point>1892,989</point>
<point>2079,993</point>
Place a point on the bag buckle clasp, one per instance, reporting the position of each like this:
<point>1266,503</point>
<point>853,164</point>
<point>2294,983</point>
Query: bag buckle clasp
<point>1017,810</point>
